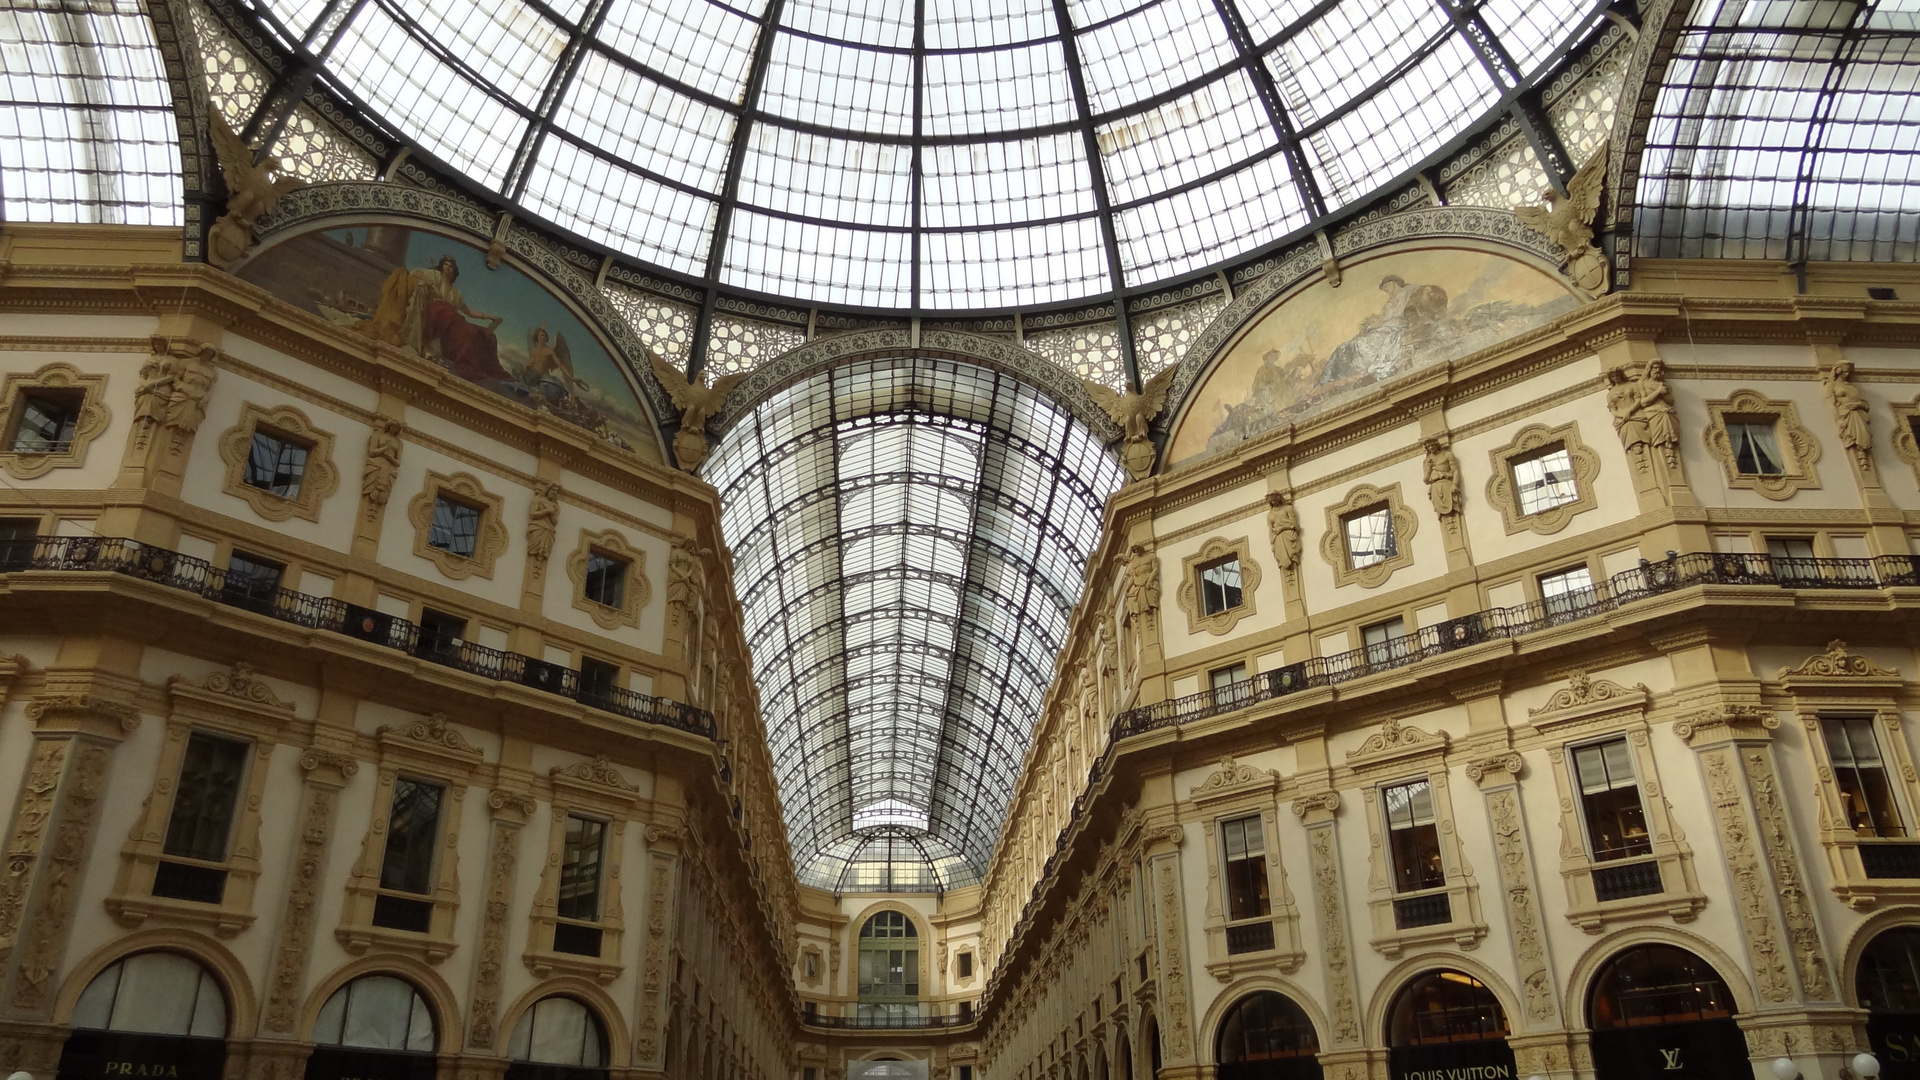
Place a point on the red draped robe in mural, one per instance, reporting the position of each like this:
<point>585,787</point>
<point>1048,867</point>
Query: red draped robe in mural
<point>422,307</point>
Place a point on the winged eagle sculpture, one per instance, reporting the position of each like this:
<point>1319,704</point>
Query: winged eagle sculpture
<point>1569,222</point>
<point>696,401</point>
<point>252,190</point>
<point>1134,413</point>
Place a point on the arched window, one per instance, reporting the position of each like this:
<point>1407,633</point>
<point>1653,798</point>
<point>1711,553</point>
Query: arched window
<point>1126,1057</point>
<point>1657,984</point>
<point>559,1031</point>
<point>1659,1010</point>
<point>1267,1036</point>
<point>1888,986</point>
<point>1443,1007</point>
<point>1889,978</point>
<point>154,993</point>
<point>1153,1049</point>
<point>376,1012</point>
<point>889,968</point>
<point>161,1009</point>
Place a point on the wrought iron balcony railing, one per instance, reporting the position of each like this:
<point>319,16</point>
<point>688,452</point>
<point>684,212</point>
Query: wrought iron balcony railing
<point>174,570</point>
<point>1647,579</point>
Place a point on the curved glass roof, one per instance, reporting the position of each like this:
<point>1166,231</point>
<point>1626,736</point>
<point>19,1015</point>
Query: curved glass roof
<point>909,536</point>
<point>931,154</point>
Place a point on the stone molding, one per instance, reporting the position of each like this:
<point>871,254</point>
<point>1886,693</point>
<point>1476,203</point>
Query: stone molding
<point>320,480</point>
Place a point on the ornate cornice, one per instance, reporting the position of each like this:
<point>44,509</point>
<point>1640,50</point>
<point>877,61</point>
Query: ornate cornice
<point>239,684</point>
<point>1837,663</point>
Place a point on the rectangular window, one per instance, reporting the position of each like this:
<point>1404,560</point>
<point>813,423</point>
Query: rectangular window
<point>1386,642</point>
<point>456,526</point>
<point>252,582</point>
<point>1544,480</point>
<point>1414,835</point>
<point>204,797</point>
<point>1370,537</point>
<point>1567,591</point>
<point>966,1012</point>
<point>1229,685</point>
<point>811,1010</point>
<point>18,536</point>
<point>1246,854</point>
<point>1220,586</point>
<point>441,632</point>
<point>966,965</point>
<point>580,869</point>
<point>46,421</point>
<point>1862,775</point>
<point>413,831</point>
<point>606,580</point>
<point>1616,821</point>
<point>275,464</point>
<point>1756,447</point>
<point>598,679</point>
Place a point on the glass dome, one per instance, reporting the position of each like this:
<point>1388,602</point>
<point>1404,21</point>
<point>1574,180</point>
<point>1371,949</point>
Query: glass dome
<point>931,154</point>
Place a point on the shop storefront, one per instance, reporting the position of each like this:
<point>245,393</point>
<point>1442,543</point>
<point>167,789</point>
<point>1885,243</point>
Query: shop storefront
<point>1657,1010</point>
<point>1267,1036</point>
<point>154,1014</point>
<point>1446,1025</point>
<point>1888,987</point>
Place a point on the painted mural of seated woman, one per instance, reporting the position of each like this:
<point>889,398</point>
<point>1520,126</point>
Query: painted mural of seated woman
<point>423,310</point>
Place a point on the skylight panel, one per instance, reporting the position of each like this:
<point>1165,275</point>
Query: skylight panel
<point>859,183</point>
<point>696,42</point>
<point>505,42</point>
<point>967,24</point>
<point>1217,221</point>
<point>1349,49</point>
<point>1532,33</point>
<point>627,115</point>
<point>620,208</point>
<point>296,15</point>
<point>88,134</point>
<point>980,92</point>
<point>1152,50</point>
<point>839,86</point>
<point>1409,119</point>
<point>805,261</point>
<point>447,113</point>
<point>1266,18</point>
<point>1014,267</point>
<point>885,23</point>
<point>1213,128</point>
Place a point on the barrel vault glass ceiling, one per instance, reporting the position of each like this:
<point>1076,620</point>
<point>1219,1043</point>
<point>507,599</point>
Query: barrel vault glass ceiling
<point>909,536</point>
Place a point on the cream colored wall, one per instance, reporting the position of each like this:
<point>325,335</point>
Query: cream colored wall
<point>122,368</point>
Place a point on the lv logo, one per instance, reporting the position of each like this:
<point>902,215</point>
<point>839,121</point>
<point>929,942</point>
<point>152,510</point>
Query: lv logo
<point>1671,1059</point>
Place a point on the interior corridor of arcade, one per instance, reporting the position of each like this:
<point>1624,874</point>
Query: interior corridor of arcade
<point>1004,540</point>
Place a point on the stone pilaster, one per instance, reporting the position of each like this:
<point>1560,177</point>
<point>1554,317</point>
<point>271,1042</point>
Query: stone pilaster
<point>55,814</point>
<point>1316,811</point>
<point>510,812</point>
<point>326,773</point>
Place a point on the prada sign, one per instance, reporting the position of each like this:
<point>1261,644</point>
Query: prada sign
<point>120,1055</point>
<point>1702,1050</point>
<point>1489,1059</point>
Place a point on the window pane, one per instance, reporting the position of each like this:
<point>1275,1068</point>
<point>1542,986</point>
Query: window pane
<point>1370,538</point>
<point>203,802</point>
<point>1865,794</point>
<point>456,526</point>
<point>1545,481</point>
<point>47,421</point>
<point>580,869</point>
<point>412,827</point>
<point>606,580</point>
<point>275,465</point>
<point>1220,587</point>
<point>1755,450</point>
